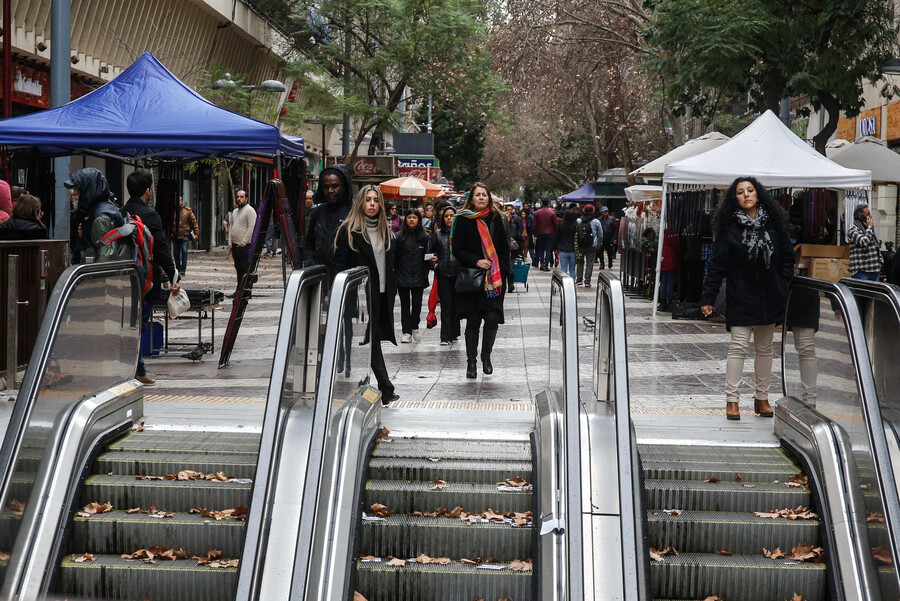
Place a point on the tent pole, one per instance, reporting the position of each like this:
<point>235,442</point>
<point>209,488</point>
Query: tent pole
<point>659,245</point>
<point>278,165</point>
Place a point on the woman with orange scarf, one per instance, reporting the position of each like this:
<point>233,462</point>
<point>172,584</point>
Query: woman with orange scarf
<point>478,240</point>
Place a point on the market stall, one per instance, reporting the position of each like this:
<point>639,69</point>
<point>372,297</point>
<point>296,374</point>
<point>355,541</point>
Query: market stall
<point>642,212</point>
<point>655,168</point>
<point>765,149</point>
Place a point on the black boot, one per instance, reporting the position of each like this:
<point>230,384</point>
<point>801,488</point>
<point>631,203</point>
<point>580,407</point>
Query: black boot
<point>487,345</point>
<point>471,353</point>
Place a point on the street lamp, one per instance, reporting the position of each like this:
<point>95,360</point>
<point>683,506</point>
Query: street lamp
<point>269,85</point>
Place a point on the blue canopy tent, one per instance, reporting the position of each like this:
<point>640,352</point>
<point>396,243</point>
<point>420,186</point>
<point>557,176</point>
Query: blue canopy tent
<point>583,194</point>
<point>145,114</point>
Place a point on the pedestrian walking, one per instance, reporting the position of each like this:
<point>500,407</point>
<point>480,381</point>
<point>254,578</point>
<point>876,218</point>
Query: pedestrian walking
<point>243,220</point>
<point>525,242</point>
<point>333,200</point>
<point>610,236</point>
<point>187,231</point>
<point>865,248</point>
<point>668,270</point>
<point>394,218</point>
<point>25,223</point>
<point>753,251</point>
<point>516,228</point>
<point>428,219</point>
<point>587,252</point>
<point>544,228</point>
<point>445,269</point>
<point>140,189</point>
<point>272,237</point>
<point>566,241</point>
<point>364,240</point>
<point>480,243</point>
<point>411,272</point>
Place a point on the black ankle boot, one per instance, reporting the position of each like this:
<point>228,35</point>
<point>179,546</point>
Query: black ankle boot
<point>471,368</point>
<point>487,345</point>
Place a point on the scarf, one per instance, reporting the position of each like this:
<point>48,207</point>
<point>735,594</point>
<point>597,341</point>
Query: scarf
<point>377,242</point>
<point>493,281</point>
<point>755,237</point>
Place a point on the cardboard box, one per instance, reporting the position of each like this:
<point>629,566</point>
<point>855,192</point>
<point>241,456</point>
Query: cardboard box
<point>805,253</point>
<point>829,269</point>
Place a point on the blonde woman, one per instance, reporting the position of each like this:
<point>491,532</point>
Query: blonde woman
<point>364,240</point>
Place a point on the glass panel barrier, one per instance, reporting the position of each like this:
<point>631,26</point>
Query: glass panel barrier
<point>88,343</point>
<point>824,365</point>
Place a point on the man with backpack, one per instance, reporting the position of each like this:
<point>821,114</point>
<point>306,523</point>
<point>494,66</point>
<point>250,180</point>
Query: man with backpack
<point>140,189</point>
<point>587,251</point>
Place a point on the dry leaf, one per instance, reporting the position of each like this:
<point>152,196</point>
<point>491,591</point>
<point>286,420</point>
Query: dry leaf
<point>806,552</point>
<point>724,552</point>
<point>357,596</point>
<point>713,480</point>
<point>875,517</point>
<point>455,512</point>
<point>776,554</point>
<point>380,510</point>
<point>82,558</point>
<point>797,597</point>
<point>864,486</point>
<point>93,508</point>
<point>16,506</point>
<point>384,432</point>
<point>433,459</point>
<point>492,516</point>
<point>515,482</point>
<point>394,562</point>
<point>737,478</point>
<point>520,566</point>
<point>439,485</point>
<point>422,558</point>
<point>672,511</point>
<point>882,556</point>
<point>801,479</point>
<point>441,560</point>
<point>657,555</point>
<point>714,598</point>
<point>139,427</point>
<point>133,510</point>
<point>749,486</point>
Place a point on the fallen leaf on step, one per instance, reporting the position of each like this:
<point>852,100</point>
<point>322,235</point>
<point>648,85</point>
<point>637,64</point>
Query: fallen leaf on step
<point>434,459</point>
<point>749,486</point>
<point>422,558</point>
<point>455,512</point>
<point>83,558</point>
<point>441,560</point>
<point>439,484</point>
<point>492,516</point>
<point>140,477</point>
<point>520,566</point>
<point>394,562</point>
<point>139,427</point>
<point>516,482</point>
<point>797,597</point>
<point>657,555</point>
<point>864,486</point>
<point>776,554</point>
<point>882,556</point>
<point>380,510</point>
<point>793,485</point>
<point>724,552</point>
<point>93,508</point>
<point>875,517</point>
<point>383,433</point>
<point>713,480</point>
<point>806,552</point>
<point>801,479</point>
<point>468,562</point>
<point>714,598</point>
<point>358,597</point>
<point>737,478</point>
<point>672,511</point>
<point>771,514</point>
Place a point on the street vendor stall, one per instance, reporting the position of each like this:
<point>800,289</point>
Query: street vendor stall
<point>765,149</point>
<point>642,212</point>
<point>655,168</point>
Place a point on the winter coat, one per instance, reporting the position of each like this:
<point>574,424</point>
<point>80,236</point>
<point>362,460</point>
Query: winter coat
<point>324,220</point>
<point>671,259</point>
<point>608,227</point>
<point>22,229</point>
<point>565,236</point>
<point>382,304</point>
<point>545,222</point>
<point>5,201</point>
<point>97,213</point>
<point>468,250</point>
<point>516,228</point>
<point>187,223</point>
<point>439,245</point>
<point>409,261</point>
<point>754,295</point>
<point>163,265</point>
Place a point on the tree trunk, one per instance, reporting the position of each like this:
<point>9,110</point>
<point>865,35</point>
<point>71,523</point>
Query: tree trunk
<point>831,105</point>
<point>774,92</point>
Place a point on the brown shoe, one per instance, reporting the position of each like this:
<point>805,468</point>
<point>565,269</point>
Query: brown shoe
<point>732,411</point>
<point>762,408</point>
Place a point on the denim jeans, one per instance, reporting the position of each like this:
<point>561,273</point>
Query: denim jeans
<point>545,249</point>
<point>567,263</point>
<point>667,284</point>
<point>146,317</point>
<point>872,276</point>
<point>181,250</point>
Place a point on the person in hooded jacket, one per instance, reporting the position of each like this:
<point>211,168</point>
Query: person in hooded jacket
<point>753,250</point>
<point>411,272</point>
<point>5,201</point>
<point>96,214</point>
<point>332,203</point>
<point>25,223</point>
<point>445,269</point>
<point>364,239</point>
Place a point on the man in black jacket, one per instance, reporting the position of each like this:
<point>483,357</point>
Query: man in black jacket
<point>333,200</point>
<point>140,188</point>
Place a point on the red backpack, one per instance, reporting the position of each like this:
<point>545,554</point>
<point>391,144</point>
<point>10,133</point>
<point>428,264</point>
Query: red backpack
<point>138,237</point>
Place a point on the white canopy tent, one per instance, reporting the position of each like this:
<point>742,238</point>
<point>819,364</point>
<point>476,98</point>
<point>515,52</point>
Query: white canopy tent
<point>654,169</point>
<point>868,153</point>
<point>767,150</point>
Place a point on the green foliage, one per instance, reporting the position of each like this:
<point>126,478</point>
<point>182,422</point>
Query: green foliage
<point>710,52</point>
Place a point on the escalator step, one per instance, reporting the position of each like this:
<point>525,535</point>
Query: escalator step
<point>725,471</point>
<point>454,582</point>
<point>738,533</point>
<point>454,449</point>
<point>887,582</point>
<point>878,535</point>
<point>112,577</point>
<point>406,497</point>
<point>165,441</point>
<point>161,464</point>
<point>736,578</point>
<point>117,532</point>
<point>125,492</point>
<point>408,536</point>
<point>722,496</point>
<point>694,453</point>
<point>455,470</point>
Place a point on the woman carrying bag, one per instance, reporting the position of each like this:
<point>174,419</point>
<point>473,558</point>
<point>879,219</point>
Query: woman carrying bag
<point>445,270</point>
<point>480,244</point>
<point>364,240</point>
<point>411,272</point>
<point>753,250</point>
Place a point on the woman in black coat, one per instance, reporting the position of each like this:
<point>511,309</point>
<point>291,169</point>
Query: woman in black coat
<point>445,269</point>
<point>364,240</point>
<point>25,223</point>
<point>411,272</point>
<point>480,242</point>
<point>753,251</point>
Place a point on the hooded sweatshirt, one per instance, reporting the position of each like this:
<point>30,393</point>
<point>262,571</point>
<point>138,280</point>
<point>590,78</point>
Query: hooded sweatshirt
<point>324,220</point>
<point>98,214</point>
<point>5,201</point>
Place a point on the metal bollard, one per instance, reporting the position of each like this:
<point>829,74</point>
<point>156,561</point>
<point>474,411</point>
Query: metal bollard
<point>12,321</point>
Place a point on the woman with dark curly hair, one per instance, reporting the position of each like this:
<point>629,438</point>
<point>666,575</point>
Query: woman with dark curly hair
<point>753,251</point>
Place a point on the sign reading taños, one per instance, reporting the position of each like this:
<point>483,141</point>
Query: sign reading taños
<point>415,162</point>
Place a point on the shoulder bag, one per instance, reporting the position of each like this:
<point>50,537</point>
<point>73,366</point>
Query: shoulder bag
<point>470,279</point>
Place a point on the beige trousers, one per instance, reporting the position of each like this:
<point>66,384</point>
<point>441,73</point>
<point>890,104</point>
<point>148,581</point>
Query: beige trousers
<point>762,364</point>
<point>805,343</point>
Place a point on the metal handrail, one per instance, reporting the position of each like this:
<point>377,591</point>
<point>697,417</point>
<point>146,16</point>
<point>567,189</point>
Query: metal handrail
<point>305,284</point>
<point>571,481</point>
<point>841,294</point>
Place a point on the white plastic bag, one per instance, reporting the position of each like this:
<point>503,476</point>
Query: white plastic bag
<point>178,303</point>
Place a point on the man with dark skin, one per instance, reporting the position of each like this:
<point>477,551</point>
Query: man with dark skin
<point>333,199</point>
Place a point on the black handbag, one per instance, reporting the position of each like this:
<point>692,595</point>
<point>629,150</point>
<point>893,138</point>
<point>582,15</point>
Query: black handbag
<point>470,279</point>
